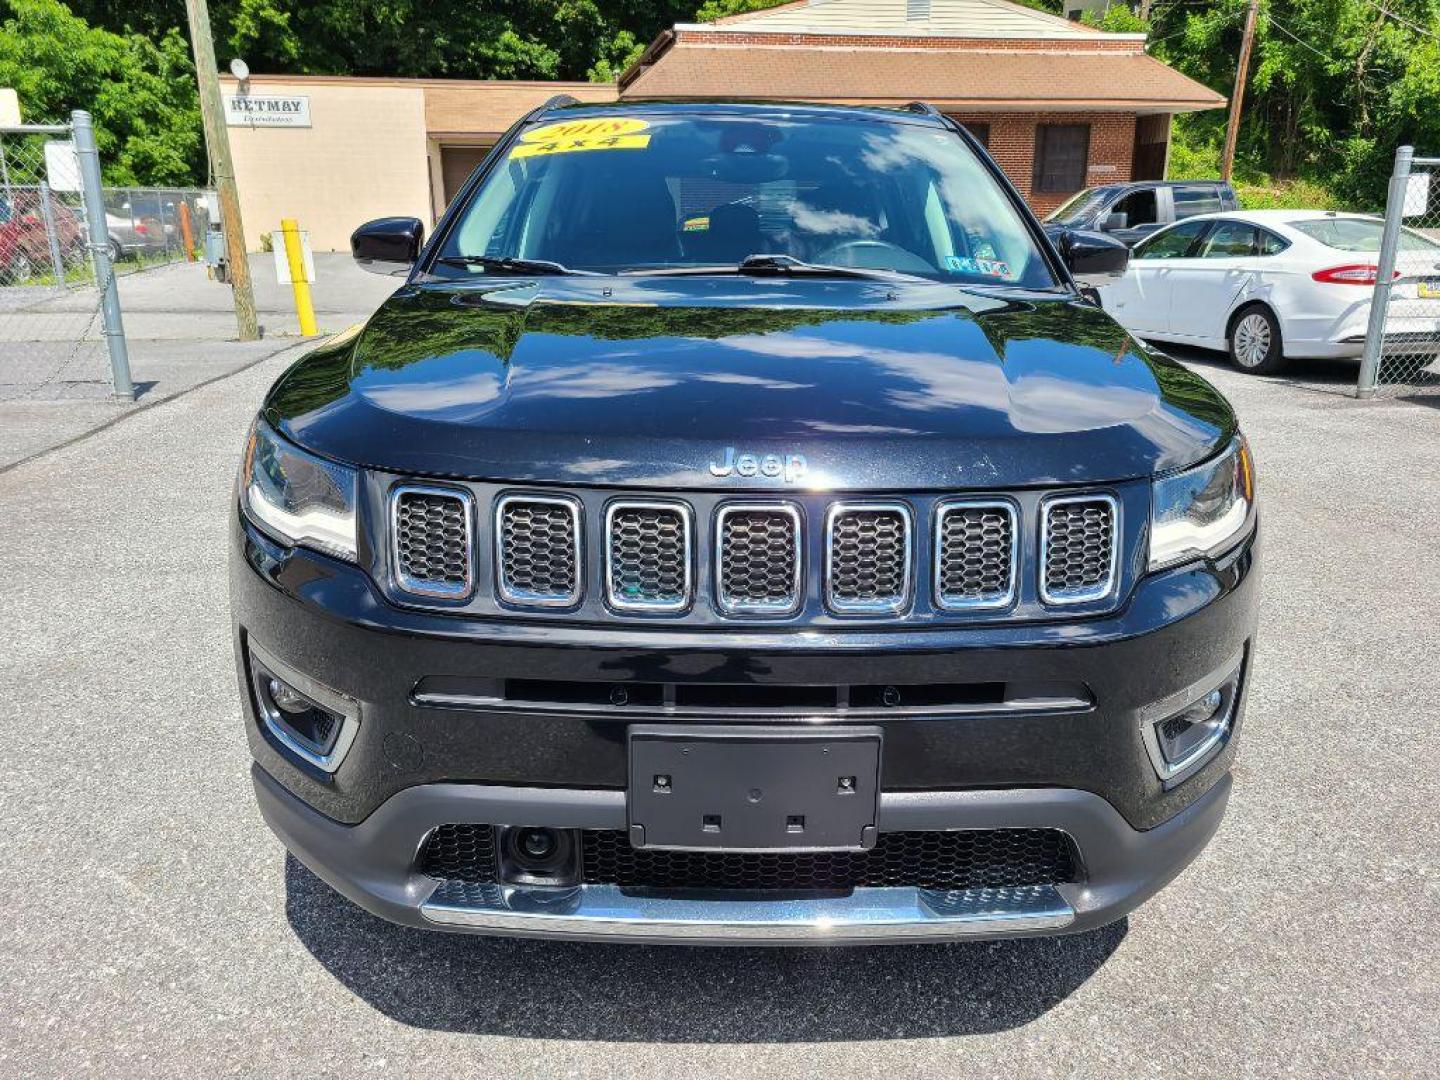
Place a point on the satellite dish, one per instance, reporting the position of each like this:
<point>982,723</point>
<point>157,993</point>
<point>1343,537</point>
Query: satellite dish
<point>239,69</point>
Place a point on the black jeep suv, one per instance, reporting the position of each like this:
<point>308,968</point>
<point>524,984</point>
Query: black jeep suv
<point>740,527</point>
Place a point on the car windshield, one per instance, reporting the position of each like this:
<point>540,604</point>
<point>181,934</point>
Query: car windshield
<point>1358,234</point>
<point>666,192</point>
<point>1080,205</point>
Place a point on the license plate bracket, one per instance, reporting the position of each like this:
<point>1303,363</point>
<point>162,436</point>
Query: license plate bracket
<point>753,788</point>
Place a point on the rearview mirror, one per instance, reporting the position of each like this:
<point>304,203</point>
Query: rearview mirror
<point>1116,221</point>
<point>388,245</point>
<point>1093,258</point>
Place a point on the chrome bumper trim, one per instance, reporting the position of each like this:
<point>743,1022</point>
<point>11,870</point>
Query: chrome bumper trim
<point>603,911</point>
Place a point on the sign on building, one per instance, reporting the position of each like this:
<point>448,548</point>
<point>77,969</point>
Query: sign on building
<point>242,110</point>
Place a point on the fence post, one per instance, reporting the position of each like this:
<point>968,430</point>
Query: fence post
<point>47,214</point>
<point>89,159</point>
<point>187,234</point>
<point>1384,272</point>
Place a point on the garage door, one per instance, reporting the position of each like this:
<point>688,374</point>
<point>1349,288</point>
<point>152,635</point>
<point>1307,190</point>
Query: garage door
<point>456,165</point>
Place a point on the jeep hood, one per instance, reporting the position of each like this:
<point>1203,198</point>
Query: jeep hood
<point>649,381</point>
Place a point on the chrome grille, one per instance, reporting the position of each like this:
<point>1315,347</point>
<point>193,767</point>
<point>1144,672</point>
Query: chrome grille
<point>432,545</point>
<point>758,559</point>
<point>1077,549</point>
<point>867,557</point>
<point>537,550</point>
<point>647,557</point>
<point>974,555</point>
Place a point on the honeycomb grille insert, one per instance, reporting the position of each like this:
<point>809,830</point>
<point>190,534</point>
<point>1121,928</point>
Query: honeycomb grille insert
<point>1078,549</point>
<point>648,557</point>
<point>432,542</point>
<point>965,859</point>
<point>974,555</point>
<point>868,558</point>
<point>758,559</point>
<point>460,853</point>
<point>537,544</point>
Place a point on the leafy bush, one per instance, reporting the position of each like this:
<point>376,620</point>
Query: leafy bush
<point>140,90</point>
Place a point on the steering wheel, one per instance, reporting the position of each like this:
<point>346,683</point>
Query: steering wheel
<point>874,255</point>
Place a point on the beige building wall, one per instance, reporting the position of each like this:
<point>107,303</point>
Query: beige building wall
<point>375,147</point>
<point>364,156</point>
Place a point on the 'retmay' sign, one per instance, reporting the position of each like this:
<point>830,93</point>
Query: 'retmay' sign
<point>242,110</point>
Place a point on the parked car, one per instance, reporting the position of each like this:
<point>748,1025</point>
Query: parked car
<point>138,227</point>
<point>25,250</point>
<point>1131,212</point>
<point>1271,285</point>
<point>783,552</point>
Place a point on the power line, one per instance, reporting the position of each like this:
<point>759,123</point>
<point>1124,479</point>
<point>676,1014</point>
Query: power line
<point>1403,21</point>
<point>1300,41</point>
<point>1186,29</point>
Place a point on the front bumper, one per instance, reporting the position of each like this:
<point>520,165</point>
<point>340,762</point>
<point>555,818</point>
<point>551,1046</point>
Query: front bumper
<point>373,863</point>
<point>414,764</point>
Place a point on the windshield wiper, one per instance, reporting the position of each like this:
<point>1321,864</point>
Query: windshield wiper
<point>518,266</point>
<point>779,266</point>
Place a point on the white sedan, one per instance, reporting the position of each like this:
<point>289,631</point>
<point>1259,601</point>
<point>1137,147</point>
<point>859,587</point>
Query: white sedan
<point>1270,285</point>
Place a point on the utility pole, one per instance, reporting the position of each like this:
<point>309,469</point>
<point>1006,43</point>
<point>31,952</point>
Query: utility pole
<point>1232,128</point>
<point>217,140</point>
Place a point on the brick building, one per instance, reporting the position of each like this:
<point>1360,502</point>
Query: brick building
<point>1060,105</point>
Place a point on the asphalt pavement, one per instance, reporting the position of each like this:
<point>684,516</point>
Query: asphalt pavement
<point>152,926</point>
<point>55,382</point>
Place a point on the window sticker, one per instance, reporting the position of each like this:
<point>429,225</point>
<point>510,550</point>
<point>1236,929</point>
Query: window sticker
<point>984,267</point>
<point>570,136</point>
<point>697,224</point>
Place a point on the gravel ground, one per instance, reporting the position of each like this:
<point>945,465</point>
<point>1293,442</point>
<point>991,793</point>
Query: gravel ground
<point>153,926</point>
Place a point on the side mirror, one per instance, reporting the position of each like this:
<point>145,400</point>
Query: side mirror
<point>388,245</point>
<point>1115,222</point>
<point>1093,258</point>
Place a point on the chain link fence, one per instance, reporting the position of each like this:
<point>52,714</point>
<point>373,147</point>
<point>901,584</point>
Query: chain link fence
<point>1402,341</point>
<point>63,240</point>
<point>50,306</point>
<point>154,226</point>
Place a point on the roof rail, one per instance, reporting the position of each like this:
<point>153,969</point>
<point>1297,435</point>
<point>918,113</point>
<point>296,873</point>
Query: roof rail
<point>923,107</point>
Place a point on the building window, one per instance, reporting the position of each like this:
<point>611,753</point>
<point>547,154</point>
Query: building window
<point>917,10</point>
<point>1061,154</point>
<point>981,133</point>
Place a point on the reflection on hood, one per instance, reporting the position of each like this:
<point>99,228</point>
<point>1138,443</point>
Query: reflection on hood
<point>594,380</point>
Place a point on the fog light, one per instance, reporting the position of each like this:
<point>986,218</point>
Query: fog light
<point>314,723</point>
<point>1180,741</point>
<point>287,698</point>
<point>1182,735</point>
<point>536,856</point>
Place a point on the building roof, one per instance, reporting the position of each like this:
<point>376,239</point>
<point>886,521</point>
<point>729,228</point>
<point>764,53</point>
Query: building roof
<point>491,107</point>
<point>971,79</point>
<point>909,18</point>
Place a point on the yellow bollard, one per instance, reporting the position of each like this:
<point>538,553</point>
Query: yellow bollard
<point>293,255</point>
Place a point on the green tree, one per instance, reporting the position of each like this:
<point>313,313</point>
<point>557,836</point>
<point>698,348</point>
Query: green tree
<point>140,90</point>
<point>503,39</point>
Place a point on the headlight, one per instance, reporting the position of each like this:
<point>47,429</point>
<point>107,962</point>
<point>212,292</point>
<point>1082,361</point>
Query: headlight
<point>297,497</point>
<point>1202,510</point>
